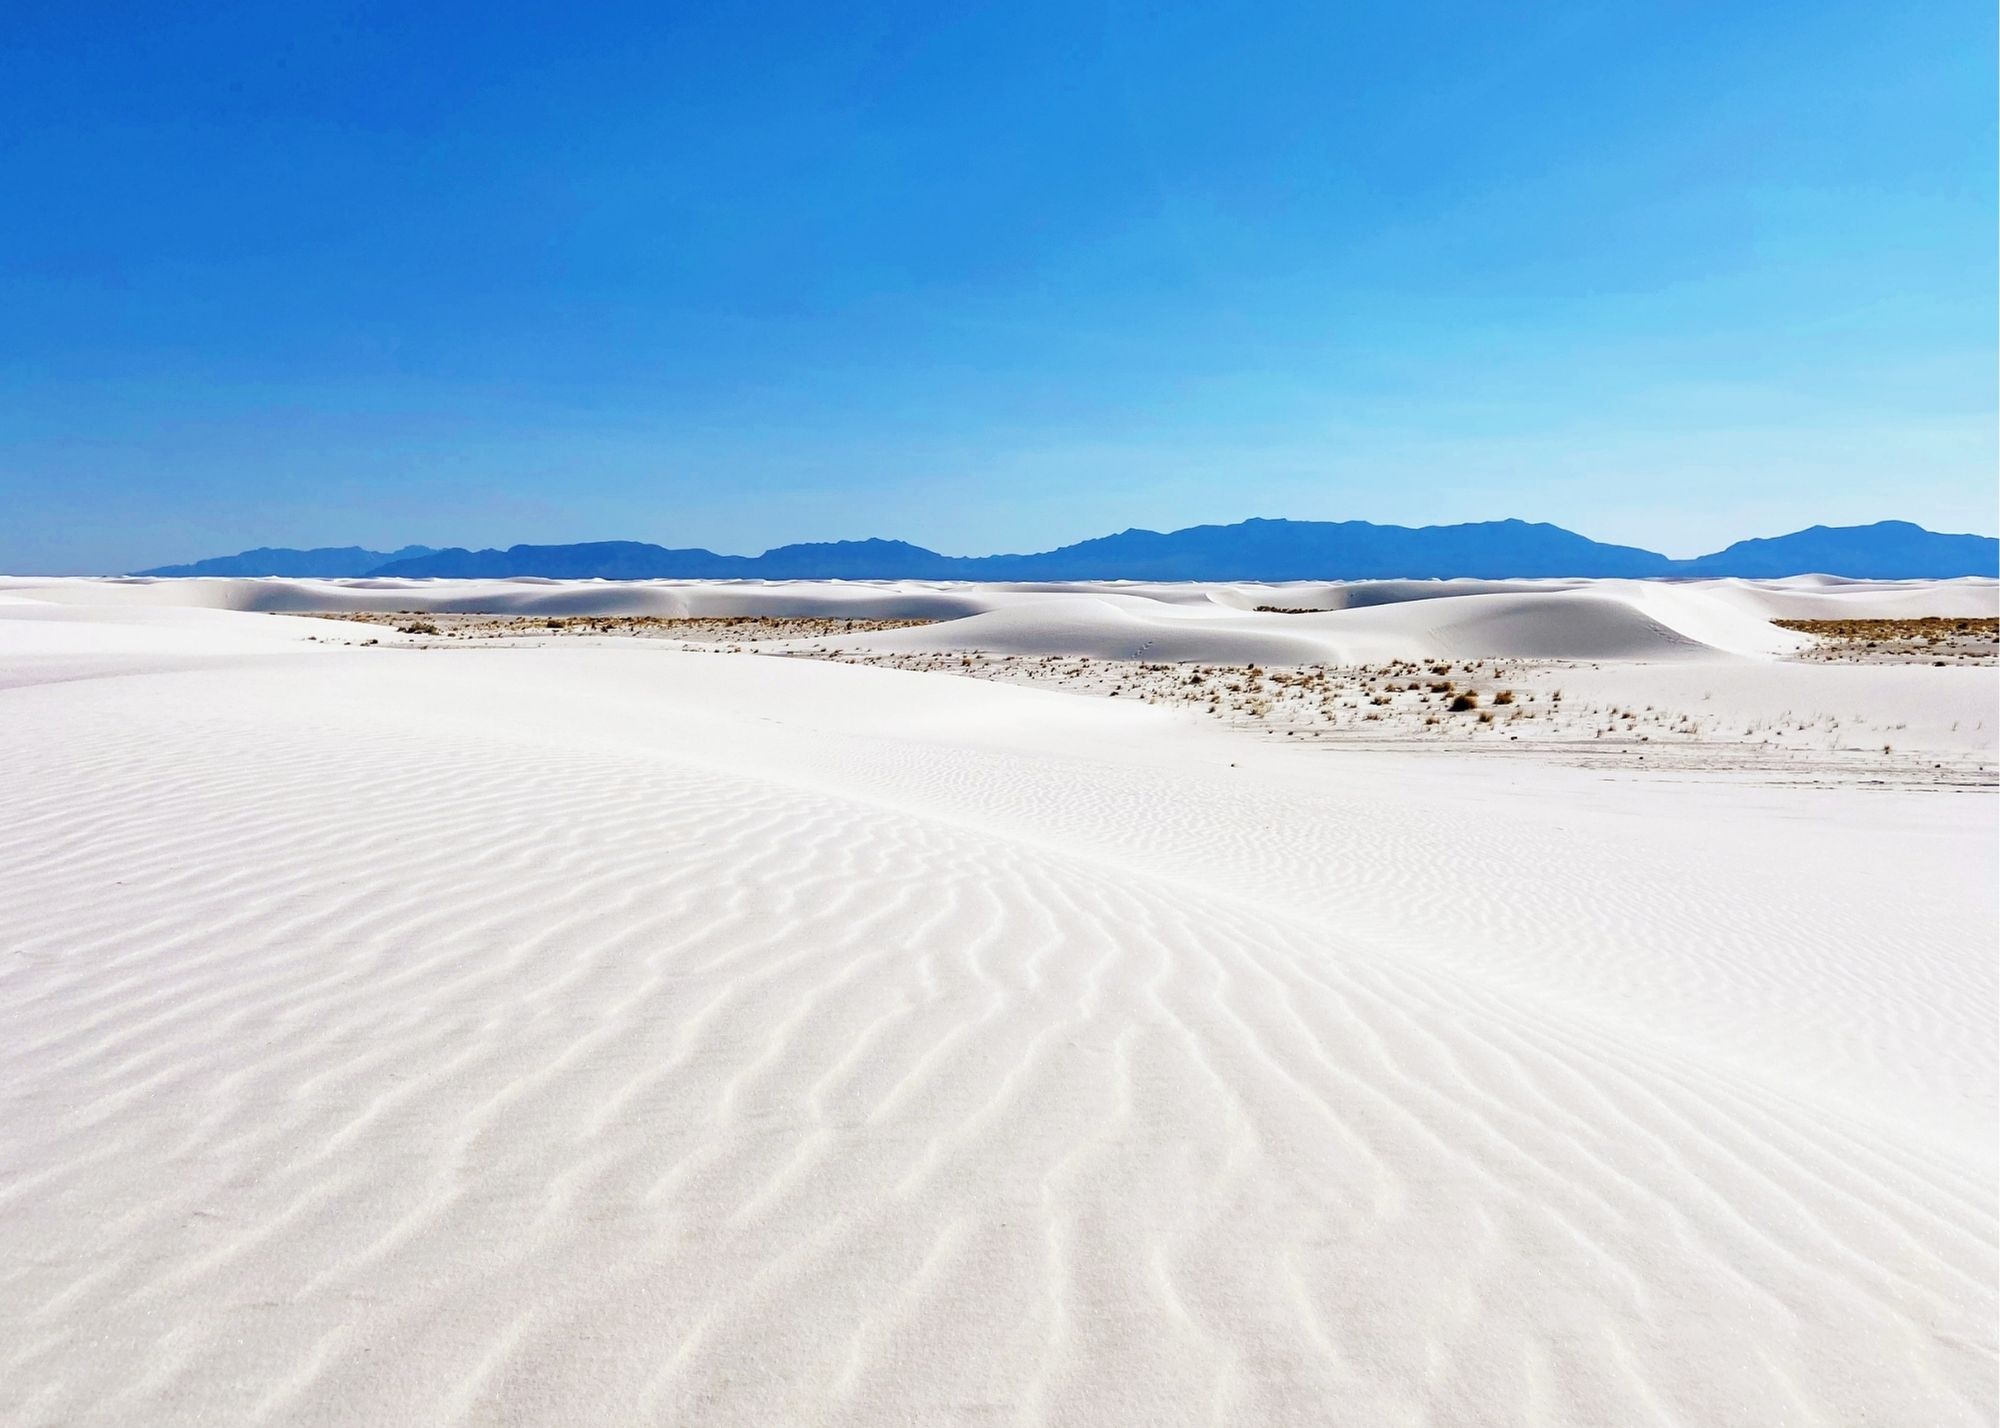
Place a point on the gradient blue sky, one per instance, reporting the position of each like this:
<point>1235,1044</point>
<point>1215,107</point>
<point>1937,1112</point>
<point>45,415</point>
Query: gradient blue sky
<point>986,278</point>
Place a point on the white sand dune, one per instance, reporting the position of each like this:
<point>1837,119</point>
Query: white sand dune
<point>600,1033</point>
<point>1573,624</point>
<point>1370,620</point>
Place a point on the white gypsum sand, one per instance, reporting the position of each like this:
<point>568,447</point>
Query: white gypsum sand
<point>595,1030</point>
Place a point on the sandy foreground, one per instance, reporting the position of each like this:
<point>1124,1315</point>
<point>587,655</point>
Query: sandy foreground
<point>576,1030</point>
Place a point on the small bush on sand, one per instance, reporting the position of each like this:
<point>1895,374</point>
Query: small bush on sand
<point>1464,701</point>
<point>1505,696</point>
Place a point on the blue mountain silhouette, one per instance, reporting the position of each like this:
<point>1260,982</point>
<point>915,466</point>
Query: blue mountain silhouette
<point>1248,550</point>
<point>323,562</point>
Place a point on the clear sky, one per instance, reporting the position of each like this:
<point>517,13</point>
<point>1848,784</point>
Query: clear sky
<point>986,278</point>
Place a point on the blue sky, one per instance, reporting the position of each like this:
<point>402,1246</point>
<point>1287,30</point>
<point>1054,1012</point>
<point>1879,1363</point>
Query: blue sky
<point>987,278</point>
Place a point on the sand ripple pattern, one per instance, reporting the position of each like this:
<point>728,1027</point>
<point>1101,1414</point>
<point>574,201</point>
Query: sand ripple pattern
<point>360,1073</point>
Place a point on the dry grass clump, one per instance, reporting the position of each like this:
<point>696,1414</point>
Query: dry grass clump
<point>700,628</point>
<point>1934,639</point>
<point>1387,702</point>
<point>1928,627</point>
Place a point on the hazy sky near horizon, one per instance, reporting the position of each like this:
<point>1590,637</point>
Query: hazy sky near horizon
<point>987,277</point>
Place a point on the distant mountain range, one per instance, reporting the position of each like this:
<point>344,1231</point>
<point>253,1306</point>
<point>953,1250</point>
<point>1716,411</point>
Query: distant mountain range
<point>1249,550</point>
<point>326,562</point>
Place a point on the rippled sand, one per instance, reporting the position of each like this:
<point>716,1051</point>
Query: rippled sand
<point>611,1034</point>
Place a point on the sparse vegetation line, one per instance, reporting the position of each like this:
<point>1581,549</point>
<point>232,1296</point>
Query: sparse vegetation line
<point>700,628</point>
<point>1933,639</point>
<point>1490,703</point>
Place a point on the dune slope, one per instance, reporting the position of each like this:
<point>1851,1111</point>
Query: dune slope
<point>620,1035</point>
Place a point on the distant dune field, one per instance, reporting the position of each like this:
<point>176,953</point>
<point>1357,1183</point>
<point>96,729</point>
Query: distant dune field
<point>484,1024</point>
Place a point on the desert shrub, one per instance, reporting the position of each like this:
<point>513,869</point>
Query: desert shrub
<point>1505,696</point>
<point>1464,701</point>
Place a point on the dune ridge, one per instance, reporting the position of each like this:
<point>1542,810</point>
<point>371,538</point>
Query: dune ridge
<point>1603,619</point>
